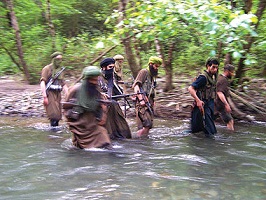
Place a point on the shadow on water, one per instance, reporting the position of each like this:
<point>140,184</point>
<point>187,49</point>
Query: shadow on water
<point>38,163</point>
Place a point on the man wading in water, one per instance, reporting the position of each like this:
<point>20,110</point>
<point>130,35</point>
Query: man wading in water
<point>52,95</point>
<point>86,115</point>
<point>144,87</point>
<point>203,90</point>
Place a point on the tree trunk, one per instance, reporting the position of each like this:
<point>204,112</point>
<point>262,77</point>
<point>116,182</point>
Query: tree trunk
<point>12,58</point>
<point>264,71</point>
<point>228,59</point>
<point>131,58</point>
<point>50,24</point>
<point>241,67</point>
<point>248,6</point>
<point>15,26</point>
<point>169,69</point>
<point>136,47</point>
<point>167,64</point>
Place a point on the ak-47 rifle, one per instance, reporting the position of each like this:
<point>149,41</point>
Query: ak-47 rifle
<point>125,95</point>
<point>146,100</point>
<point>121,96</point>
<point>52,79</point>
<point>69,104</point>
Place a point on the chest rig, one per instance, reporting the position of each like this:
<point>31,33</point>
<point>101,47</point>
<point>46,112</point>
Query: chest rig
<point>209,91</point>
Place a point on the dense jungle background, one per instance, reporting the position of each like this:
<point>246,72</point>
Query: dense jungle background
<point>183,33</point>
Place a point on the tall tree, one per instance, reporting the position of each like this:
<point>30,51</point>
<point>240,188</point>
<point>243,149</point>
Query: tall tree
<point>50,23</point>
<point>15,26</point>
<point>130,55</point>
<point>250,40</point>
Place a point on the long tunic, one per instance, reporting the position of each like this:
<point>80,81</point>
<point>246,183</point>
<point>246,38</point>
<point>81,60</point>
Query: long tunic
<point>86,131</point>
<point>53,109</point>
<point>144,116</point>
<point>116,123</point>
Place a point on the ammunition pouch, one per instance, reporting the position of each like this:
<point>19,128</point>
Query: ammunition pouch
<point>72,110</point>
<point>56,86</point>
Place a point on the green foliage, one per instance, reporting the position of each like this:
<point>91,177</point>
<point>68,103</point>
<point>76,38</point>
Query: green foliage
<point>85,29</point>
<point>81,20</point>
<point>210,24</point>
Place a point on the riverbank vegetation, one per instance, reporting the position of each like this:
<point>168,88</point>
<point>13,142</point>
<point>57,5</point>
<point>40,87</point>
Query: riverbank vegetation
<point>183,33</point>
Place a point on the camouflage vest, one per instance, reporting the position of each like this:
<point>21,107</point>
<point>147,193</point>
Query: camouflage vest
<point>209,91</point>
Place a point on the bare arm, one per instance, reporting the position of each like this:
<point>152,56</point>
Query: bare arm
<point>140,96</point>
<point>223,99</point>
<point>43,90</point>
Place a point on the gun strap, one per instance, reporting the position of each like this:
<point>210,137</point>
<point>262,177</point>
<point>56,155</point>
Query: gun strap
<point>152,88</point>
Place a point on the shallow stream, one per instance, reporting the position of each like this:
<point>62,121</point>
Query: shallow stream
<point>37,163</point>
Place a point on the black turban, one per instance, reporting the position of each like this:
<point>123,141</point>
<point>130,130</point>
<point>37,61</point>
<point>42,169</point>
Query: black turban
<point>107,61</point>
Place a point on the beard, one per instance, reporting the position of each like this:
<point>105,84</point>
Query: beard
<point>229,76</point>
<point>154,72</point>
<point>92,90</point>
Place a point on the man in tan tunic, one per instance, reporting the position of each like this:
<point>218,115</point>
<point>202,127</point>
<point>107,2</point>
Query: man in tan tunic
<point>119,59</point>
<point>87,116</point>
<point>145,83</point>
<point>52,97</point>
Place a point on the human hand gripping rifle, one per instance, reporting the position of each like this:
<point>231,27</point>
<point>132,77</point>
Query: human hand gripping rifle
<point>146,100</point>
<point>120,95</point>
<point>52,79</point>
<point>124,96</point>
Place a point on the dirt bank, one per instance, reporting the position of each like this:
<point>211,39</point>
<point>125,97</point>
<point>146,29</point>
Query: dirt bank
<point>18,99</point>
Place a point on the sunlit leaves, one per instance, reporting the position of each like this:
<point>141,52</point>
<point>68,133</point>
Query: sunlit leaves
<point>99,45</point>
<point>236,55</point>
<point>212,20</point>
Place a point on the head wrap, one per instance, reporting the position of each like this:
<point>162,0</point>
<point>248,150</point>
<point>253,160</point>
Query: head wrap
<point>119,57</point>
<point>91,71</point>
<point>155,60</point>
<point>107,61</point>
<point>229,67</point>
<point>57,53</point>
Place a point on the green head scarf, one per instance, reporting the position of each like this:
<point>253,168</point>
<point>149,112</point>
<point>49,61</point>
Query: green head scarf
<point>56,62</point>
<point>85,101</point>
<point>90,71</point>
<point>155,60</point>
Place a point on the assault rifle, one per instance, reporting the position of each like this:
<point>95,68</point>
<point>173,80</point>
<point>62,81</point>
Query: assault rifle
<point>146,100</point>
<point>52,79</point>
<point>125,95</point>
<point>121,95</point>
<point>70,105</point>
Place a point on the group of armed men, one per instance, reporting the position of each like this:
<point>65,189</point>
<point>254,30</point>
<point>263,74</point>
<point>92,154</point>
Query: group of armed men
<point>94,116</point>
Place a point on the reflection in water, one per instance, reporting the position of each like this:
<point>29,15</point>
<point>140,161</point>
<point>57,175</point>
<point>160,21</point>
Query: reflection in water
<point>37,163</point>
